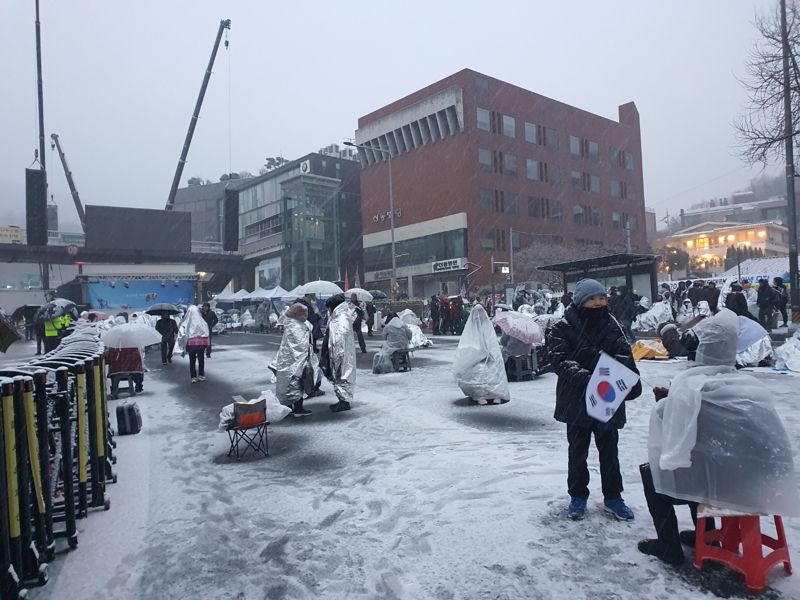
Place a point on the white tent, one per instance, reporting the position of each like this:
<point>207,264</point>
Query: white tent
<point>225,296</point>
<point>241,295</point>
<point>258,294</point>
<point>294,293</point>
<point>276,292</point>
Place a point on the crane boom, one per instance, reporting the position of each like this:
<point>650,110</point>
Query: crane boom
<point>223,25</point>
<point>70,182</point>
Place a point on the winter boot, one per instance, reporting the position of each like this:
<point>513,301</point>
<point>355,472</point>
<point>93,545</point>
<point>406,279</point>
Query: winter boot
<point>298,410</point>
<point>671,556</point>
<point>340,406</point>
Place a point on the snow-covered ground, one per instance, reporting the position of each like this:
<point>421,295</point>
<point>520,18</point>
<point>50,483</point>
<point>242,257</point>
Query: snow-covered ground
<point>416,493</point>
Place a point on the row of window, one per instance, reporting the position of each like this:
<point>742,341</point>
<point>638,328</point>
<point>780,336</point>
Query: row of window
<point>537,170</point>
<point>495,122</point>
<point>499,201</point>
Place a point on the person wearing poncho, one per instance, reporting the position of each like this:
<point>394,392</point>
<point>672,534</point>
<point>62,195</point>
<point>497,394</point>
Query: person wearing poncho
<point>715,438</point>
<point>397,336</point>
<point>479,367</point>
<point>194,338</point>
<point>293,355</point>
<point>340,351</point>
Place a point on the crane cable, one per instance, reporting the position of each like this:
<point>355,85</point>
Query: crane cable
<point>230,143</point>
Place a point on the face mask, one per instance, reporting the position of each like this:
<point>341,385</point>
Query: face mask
<point>594,314</point>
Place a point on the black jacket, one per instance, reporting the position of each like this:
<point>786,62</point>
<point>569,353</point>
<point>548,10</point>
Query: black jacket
<point>623,307</point>
<point>210,318</point>
<point>574,352</point>
<point>168,328</point>
<point>767,298</point>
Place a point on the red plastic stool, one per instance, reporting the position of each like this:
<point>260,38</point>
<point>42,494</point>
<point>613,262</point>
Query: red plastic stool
<point>744,530</point>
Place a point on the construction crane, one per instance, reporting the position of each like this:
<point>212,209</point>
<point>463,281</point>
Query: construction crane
<point>223,25</point>
<point>70,182</point>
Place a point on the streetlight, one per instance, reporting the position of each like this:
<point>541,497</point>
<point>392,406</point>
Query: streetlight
<point>391,198</point>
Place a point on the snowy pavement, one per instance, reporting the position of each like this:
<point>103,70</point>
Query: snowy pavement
<point>415,493</point>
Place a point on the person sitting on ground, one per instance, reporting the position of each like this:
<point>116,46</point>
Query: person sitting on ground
<point>715,438</point>
<point>397,336</point>
<point>291,360</point>
<point>511,347</point>
<point>575,344</point>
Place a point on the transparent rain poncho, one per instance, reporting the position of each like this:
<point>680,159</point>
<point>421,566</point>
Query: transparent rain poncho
<point>717,439</point>
<point>754,344</point>
<point>658,313</point>
<point>397,337</point>
<point>479,367</point>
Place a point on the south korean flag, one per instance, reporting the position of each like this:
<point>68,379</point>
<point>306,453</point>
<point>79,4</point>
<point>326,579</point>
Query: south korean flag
<point>610,384</point>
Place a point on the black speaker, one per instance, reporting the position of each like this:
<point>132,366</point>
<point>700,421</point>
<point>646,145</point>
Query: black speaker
<point>36,206</point>
<point>230,222</point>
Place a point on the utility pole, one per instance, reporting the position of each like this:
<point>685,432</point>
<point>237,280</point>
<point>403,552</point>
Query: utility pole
<point>627,231</point>
<point>44,267</point>
<point>794,295</point>
<point>511,253</point>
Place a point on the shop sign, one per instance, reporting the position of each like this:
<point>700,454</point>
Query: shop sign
<point>452,264</point>
<point>385,216</point>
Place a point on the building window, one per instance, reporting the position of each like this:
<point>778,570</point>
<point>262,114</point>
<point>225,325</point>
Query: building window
<point>616,189</point>
<point>594,185</point>
<point>632,224</point>
<point>487,239</point>
<point>616,220</point>
<point>574,145</point>
<point>486,202</point>
<point>484,119</point>
<point>485,160</point>
<point>509,126</point>
<point>509,164</point>
<point>531,133</point>
<point>578,216</point>
<point>550,137</point>
<point>576,178</point>
<point>532,168</point>
<point>550,173</point>
<point>629,161</point>
<point>556,210</point>
<point>594,151</point>
<point>597,217</point>
<point>512,204</point>
<point>539,208</point>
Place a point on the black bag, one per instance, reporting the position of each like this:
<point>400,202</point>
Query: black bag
<point>325,356</point>
<point>129,419</point>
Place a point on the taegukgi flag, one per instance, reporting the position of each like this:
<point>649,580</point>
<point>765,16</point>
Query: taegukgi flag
<point>609,385</point>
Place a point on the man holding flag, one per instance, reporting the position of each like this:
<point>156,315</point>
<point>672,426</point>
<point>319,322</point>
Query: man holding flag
<point>596,374</point>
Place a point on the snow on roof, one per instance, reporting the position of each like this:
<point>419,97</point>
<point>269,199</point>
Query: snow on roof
<point>761,268</point>
<point>709,227</point>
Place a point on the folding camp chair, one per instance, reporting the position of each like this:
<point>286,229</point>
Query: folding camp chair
<point>249,426</point>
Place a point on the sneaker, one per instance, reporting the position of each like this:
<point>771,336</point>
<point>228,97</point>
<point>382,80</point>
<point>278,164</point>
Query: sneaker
<point>619,509</point>
<point>482,401</point>
<point>202,377</point>
<point>577,509</point>
<point>657,549</point>
<point>194,379</point>
<point>340,406</point>
<point>163,362</point>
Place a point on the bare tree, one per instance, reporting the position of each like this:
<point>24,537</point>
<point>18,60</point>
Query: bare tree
<point>760,128</point>
<point>527,262</point>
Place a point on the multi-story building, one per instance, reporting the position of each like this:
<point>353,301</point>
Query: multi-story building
<point>707,243</point>
<point>739,208</point>
<point>479,166</point>
<point>299,222</point>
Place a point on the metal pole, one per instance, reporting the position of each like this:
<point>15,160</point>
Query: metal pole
<point>391,217</point>
<point>738,264</point>
<point>39,87</point>
<point>511,253</point>
<point>794,296</point>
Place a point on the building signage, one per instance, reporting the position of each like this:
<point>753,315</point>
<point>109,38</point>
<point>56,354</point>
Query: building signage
<point>453,264</point>
<point>384,216</point>
<point>383,274</point>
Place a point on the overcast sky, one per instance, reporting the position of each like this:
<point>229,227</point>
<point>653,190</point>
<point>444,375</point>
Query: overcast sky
<point>121,80</point>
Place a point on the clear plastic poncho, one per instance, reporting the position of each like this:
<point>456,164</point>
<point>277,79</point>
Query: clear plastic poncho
<point>754,343</point>
<point>479,368</point>
<point>192,326</point>
<point>717,439</point>
<point>342,347</point>
<point>290,360</point>
<point>685,312</point>
<point>659,313</point>
<point>397,336</point>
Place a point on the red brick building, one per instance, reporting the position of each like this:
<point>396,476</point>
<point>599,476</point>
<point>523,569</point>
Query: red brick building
<point>474,158</point>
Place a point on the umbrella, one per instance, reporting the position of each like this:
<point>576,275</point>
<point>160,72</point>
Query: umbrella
<point>362,294</point>
<point>8,335</point>
<point>60,307</point>
<point>26,310</point>
<point>131,335</point>
<point>321,288</point>
<point>378,295</point>
<point>161,309</point>
<point>519,327</point>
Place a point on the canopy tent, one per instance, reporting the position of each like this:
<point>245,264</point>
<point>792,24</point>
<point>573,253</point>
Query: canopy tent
<point>225,296</point>
<point>241,295</point>
<point>296,292</point>
<point>258,294</point>
<point>276,292</point>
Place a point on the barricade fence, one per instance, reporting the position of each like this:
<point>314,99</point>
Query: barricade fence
<point>56,455</point>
